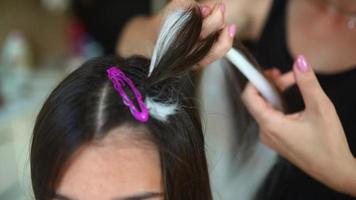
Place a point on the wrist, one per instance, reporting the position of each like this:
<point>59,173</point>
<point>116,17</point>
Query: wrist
<point>350,182</point>
<point>345,180</point>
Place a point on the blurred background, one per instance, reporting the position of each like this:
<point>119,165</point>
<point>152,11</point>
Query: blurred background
<point>41,41</point>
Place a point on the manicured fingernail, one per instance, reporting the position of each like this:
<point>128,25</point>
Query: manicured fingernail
<point>222,7</point>
<point>232,30</point>
<point>205,10</point>
<point>302,64</point>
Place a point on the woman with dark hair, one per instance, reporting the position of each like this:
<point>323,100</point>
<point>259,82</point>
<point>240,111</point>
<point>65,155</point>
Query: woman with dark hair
<point>128,128</point>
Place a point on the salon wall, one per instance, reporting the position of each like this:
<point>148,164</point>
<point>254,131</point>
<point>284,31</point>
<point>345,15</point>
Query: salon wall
<point>43,29</point>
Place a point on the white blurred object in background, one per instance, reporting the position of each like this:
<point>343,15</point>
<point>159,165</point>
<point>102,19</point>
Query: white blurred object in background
<point>16,60</point>
<point>56,6</point>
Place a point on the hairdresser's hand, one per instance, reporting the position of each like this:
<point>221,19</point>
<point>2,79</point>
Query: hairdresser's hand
<point>132,40</point>
<point>313,139</point>
<point>214,20</point>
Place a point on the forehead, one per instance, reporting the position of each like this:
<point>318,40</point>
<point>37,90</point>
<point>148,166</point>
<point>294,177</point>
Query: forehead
<point>116,166</point>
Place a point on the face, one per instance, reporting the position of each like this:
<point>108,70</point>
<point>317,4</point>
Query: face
<point>118,167</point>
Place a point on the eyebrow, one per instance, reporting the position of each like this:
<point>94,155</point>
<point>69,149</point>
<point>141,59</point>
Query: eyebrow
<point>141,196</point>
<point>61,197</point>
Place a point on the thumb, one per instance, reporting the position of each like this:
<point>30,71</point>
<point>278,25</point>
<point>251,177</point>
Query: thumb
<point>308,84</point>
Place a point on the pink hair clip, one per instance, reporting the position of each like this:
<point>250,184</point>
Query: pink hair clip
<point>119,80</point>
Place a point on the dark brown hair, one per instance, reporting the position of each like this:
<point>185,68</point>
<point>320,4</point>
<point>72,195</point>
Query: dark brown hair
<point>69,117</point>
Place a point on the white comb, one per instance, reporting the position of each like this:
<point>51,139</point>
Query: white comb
<point>255,77</point>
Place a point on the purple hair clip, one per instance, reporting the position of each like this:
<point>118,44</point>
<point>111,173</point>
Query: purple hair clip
<point>119,80</point>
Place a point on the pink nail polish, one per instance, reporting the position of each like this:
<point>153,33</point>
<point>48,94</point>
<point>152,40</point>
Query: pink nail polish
<point>222,7</point>
<point>302,64</point>
<point>232,30</point>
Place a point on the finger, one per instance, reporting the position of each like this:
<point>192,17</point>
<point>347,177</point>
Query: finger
<point>215,21</point>
<point>271,141</point>
<point>276,72</point>
<point>205,10</point>
<point>295,116</point>
<point>285,81</point>
<point>282,82</point>
<point>272,74</point>
<point>269,73</point>
<point>182,3</point>
<point>308,84</point>
<point>221,46</point>
<point>259,108</point>
<point>266,140</point>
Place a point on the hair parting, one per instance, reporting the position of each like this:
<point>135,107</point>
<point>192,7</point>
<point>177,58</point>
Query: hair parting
<point>84,107</point>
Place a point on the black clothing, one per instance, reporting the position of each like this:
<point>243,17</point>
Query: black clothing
<point>285,181</point>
